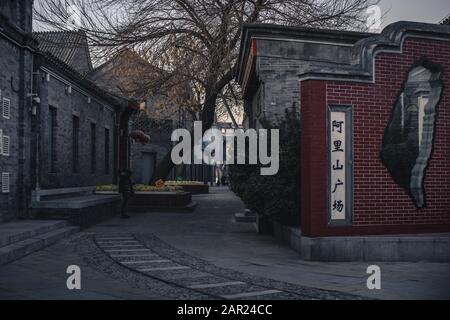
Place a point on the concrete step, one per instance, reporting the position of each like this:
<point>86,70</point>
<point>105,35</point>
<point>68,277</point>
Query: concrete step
<point>244,218</point>
<point>13,232</point>
<point>249,213</point>
<point>25,247</point>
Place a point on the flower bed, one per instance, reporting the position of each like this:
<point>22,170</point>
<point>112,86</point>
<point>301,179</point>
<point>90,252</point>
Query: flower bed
<point>194,187</point>
<point>181,183</point>
<point>140,188</point>
<point>150,198</point>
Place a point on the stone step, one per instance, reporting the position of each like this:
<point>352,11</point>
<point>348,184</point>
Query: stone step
<point>25,247</point>
<point>13,232</point>
<point>249,213</point>
<point>242,217</point>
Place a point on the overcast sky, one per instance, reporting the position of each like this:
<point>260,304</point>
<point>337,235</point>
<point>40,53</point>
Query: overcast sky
<point>432,11</point>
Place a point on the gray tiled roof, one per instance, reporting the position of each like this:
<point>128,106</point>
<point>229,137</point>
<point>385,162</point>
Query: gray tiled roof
<point>446,20</point>
<point>65,46</point>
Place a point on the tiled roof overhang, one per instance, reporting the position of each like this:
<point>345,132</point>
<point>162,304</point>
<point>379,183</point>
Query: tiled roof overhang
<point>362,67</point>
<point>251,32</point>
<point>63,44</point>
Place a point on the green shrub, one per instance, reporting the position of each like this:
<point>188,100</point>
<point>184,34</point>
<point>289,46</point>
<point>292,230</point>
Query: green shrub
<point>276,197</point>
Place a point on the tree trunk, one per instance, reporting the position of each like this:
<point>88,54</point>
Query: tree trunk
<point>166,165</point>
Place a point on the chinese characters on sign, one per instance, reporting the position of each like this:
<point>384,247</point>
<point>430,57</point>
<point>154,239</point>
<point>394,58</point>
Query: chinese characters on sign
<point>338,183</point>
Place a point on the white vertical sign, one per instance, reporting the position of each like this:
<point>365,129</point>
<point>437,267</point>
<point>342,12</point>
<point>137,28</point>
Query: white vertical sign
<point>338,161</point>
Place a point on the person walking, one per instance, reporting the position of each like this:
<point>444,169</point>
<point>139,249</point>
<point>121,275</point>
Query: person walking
<point>126,189</point>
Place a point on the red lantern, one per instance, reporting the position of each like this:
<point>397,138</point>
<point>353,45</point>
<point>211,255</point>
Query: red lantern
<point>140,136</point>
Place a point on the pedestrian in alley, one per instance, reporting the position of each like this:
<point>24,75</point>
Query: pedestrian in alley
<point>126,189</point>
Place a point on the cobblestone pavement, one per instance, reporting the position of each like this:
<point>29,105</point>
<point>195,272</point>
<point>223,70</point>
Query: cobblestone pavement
<point>144,260</point>
<point>201,255</point>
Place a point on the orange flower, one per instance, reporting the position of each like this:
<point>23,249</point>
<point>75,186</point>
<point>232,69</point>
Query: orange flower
<point>160,183</point>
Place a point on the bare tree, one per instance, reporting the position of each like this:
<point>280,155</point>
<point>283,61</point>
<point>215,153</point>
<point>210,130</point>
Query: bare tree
<point>195,41</point>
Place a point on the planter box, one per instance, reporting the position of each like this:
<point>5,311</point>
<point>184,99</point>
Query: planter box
<point>288,235</point>
<point>263,225</point>
<point>152,201</point>
<point>195,188</point>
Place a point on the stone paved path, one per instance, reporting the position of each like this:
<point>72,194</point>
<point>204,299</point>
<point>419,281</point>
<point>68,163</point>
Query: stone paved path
<point>202,255</point>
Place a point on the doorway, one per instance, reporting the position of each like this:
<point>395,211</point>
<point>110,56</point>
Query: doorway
<point>148,167</point>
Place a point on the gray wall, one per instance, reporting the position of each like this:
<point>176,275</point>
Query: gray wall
<point>18,13</point>
<point>137,155</point>
<point>160,143</point>
<point>15,75</point>
<point>54,93</point>
<point>278,65</point>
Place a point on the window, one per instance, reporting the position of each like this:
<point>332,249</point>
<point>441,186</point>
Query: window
<point>6,108</point>
<point>52,139</point>
<point>93,148</point>
<point>5,146</point>
<point>5,182</point>
<point>107,151</point>
<point>75,142</point>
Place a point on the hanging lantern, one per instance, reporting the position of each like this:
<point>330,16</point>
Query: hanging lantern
<point>140,136</point>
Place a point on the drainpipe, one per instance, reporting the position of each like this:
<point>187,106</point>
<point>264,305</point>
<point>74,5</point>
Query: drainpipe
<point>36,117</point>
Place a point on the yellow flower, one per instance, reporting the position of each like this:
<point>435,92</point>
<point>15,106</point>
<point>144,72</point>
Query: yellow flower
<point>160,183</point>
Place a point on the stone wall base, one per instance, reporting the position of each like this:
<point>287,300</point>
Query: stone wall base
<point>83,217</point>
<point>392,248</point>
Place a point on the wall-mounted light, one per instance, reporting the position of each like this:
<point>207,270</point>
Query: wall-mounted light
<point>89,100</point>
<point>69,89</point>
<point>36,100</point>
<point>47,77</point>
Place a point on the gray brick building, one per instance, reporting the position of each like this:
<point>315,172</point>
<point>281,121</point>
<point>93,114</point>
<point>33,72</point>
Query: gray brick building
<point>16,59</point>
<point>75,122</point>
<point>129,75</point>
<point>275,56</point>
<point>57,129</point>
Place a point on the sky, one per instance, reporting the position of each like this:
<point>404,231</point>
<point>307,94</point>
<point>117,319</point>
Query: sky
<point>432,11</point>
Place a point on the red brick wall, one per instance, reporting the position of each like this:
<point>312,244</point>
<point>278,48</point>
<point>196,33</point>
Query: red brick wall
<point>380,205</point>
<point>313,186</point>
